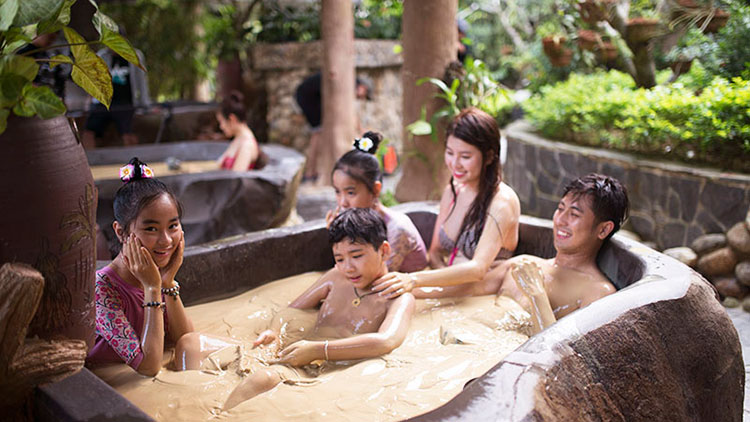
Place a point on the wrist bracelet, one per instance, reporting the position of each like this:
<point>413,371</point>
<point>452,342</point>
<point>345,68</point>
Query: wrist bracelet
<point>153,305</point>
<point>173,291</point>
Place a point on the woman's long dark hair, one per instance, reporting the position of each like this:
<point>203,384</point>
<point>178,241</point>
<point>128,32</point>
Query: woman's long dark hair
<point>477,128</point>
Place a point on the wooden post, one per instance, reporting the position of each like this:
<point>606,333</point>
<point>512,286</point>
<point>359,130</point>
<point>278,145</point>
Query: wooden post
<point>337,30</point>
<point>430,38</point>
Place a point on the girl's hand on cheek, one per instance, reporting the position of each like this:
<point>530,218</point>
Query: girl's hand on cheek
<point>175,262</point>
<point>141,264</point>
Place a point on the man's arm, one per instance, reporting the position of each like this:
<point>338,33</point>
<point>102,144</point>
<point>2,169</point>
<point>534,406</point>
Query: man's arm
<point>391,334</point>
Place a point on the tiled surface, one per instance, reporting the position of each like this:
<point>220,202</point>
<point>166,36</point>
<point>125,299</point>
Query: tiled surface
<point>741,321</point>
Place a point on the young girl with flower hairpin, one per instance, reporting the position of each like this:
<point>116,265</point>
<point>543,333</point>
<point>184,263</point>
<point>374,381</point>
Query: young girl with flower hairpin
<point>138,301</point>
<point>358,182</point>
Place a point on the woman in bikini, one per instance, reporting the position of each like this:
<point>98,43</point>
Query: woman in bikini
<point>478,220</point>
<point>243,152</point>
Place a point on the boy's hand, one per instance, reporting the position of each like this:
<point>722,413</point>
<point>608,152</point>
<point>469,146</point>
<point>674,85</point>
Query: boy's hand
<point>302,353</point>
<point>266,337</point>
<point>529,278</point>
<point>394,284</point>
<point>168,272</point>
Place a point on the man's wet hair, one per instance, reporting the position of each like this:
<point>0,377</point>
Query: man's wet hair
<point>609,198</point>
<point>359,225</point>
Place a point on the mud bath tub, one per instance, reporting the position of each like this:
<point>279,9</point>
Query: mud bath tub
<point>217,203</point>
<point>661,348</point>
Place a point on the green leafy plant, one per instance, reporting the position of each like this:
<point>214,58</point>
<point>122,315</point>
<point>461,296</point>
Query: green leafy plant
<point>684,121</point>
<point>20,23</point>
<point>470,86</point>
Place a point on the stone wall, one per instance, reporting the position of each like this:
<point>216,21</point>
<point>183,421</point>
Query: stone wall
<point>279,69</point>
<point>670,204</point>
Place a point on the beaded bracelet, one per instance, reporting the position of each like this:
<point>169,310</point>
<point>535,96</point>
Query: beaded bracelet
<point>153,305</point>
<point>173,291</point>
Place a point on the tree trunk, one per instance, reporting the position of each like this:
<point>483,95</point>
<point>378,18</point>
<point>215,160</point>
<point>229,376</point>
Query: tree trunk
<point>429,37</point>
<point>337,30</point>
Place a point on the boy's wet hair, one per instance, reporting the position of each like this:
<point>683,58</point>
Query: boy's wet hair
<point>359,225</point>
<point>609,198</point>
<point>135,195</point>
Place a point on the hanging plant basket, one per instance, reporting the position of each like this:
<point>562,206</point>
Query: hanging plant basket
<point>588,40</point>
<point>553,45</point>
<point>593,11</point>
<point>643,29</point>
<point>563,58</point>
<point>607,52</point>
<point>717,20</point>
<point>681,66</point>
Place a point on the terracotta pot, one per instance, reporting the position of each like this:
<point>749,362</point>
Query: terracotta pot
<point>563,58</point>
<point>593,11</point>
<point>607,51</point>
<point>48,220</point>
<point>588,40</point>
<point>680,67</point>
<point>553,45</point>
<point>718,21</point>
<point>643,29</point>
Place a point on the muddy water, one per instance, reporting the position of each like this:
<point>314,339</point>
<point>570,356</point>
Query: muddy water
<point>450,342</point>
<point>112,171</point>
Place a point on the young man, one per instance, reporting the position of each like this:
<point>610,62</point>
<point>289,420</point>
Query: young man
<point>365,325</point>
<point>591,210</point>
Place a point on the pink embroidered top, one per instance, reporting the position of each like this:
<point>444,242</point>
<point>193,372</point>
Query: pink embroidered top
<point>408,251</point>
<point>119,319</point>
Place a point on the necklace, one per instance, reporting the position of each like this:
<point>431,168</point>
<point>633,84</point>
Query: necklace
<point>357,300</point>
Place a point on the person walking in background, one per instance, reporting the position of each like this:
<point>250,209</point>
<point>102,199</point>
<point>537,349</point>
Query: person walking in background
<point>310,99</point>
<point>129,92</point>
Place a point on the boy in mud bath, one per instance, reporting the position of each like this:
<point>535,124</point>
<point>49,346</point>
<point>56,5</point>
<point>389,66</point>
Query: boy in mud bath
<point>361,324</point>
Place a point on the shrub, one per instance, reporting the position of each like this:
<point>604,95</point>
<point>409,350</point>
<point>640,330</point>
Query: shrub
<point>711,125</point>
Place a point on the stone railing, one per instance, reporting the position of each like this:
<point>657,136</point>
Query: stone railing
<point>670,204</point>
<point>279,69</point>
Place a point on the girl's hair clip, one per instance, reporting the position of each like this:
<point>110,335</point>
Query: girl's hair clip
<point>363,144</point>
<point>127,172</point>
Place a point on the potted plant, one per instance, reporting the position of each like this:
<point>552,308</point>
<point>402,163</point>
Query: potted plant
<point>49,198</point>
<point>644,27</point>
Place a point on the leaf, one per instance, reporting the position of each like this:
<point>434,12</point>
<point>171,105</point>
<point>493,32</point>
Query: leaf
<point>33,11</point>
<point>419,128</point>
<point>42,101</point>
<point>58,21</point>
<point>15,38</point>
<point>11,87</point>
<point>89,70</point>
<point>23,66</point>
<point>4,112</point>
<point>121,46</point>
<point>102,22</point>
<point>59,59</point>
<point>8,10</point>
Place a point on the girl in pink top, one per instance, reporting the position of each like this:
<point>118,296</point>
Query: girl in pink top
<point>358,181</point>
<point>136,291</point>
<point>243,152</point>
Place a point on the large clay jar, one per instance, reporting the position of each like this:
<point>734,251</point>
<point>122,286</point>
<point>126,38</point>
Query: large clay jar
<point>48,210</point>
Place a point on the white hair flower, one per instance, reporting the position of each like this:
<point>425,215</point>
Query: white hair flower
<point>365,144</point>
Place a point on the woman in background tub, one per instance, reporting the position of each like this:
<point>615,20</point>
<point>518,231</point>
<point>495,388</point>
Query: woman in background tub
<point>136,292</point>
<point>478,220</point>
<point>243,152</point>
<point>358,182</point>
